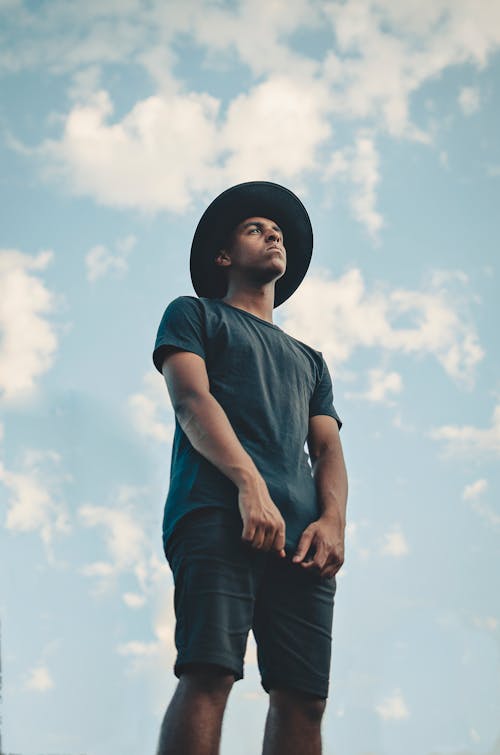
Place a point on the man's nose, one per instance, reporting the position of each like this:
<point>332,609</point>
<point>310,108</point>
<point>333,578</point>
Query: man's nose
<point>273,235</point>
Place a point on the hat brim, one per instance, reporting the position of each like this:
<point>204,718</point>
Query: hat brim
<point>251,199</point>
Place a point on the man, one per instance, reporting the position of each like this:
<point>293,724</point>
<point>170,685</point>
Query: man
<point>254,534</point>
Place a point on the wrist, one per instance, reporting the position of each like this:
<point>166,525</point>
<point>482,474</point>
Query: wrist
<point>245,477</point>
<point>333,519</point>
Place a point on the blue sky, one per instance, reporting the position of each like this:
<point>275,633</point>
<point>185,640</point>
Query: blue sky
<point>119,122</point>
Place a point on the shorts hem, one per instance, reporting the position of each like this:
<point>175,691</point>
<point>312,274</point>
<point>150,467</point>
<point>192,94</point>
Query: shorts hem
<point>222,661</point>
<point>316,690</point>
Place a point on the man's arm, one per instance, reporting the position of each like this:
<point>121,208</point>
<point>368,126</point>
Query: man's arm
<point>208,428</point>
<point>326,535</point>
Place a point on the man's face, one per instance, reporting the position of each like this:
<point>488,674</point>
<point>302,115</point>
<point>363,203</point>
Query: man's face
<point>256,250</point>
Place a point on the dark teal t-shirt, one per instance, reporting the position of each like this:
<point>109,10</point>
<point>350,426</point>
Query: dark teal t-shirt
<point>269,384</point>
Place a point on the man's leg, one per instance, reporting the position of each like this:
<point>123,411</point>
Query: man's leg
<point>293,724</point>
<point>193,722</point>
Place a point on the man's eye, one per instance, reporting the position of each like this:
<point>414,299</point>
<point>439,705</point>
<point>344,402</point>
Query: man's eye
<point>253,230</point>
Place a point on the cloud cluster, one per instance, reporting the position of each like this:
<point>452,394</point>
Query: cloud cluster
<point>395,543</point>
<point>381,385</point>
<point>359,164</point>
<point>393,707</point>
<point>173,146</point>
<point>151,159</point>
<point>100,261</point>
<point>468,440</point>
<point>340,315</point>
<point>157,654</point>
<point>127,543</point>
<point>35,502</point>
<point>39,679</point>
<point>475,490</point>
<point>185,140</point>
<point>469,100</point>
<point>28,340</point>
<point>150,409</point>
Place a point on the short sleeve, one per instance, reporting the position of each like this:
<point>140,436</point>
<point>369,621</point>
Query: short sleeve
<point>181,327</point>
<point>322,399</point>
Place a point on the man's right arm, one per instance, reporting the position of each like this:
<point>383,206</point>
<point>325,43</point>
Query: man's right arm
<point>209,431</point>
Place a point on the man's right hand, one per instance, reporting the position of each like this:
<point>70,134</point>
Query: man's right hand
<point>263,525</point>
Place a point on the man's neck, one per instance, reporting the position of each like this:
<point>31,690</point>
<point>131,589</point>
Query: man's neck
<point>259,302</point>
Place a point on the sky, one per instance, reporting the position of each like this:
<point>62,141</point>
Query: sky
<point>119,122</point>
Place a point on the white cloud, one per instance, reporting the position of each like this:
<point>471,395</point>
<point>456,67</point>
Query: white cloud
<point>225,33</point>
<point>134,600</point>
<point>28,341</point>
<point>155,656</point>
<point>64,36</point>
<point>469,440</point>
<point>393,707</point>
<point>339,316</point>
<point>124,537</point>
<point>99,261</point>
<point>39,679</point>
<point>275,129</point>
<point>387,51</point>
<point>178,144</point>
<point>475,490</point>
<point>486,512</point>
<point>402,424</point>
<point>381,385</point>
<point>151,411</point>
<point>490,623</point>
<point>129,549</point>
<point>395,544</point>
<point>360,165</point>
<point>172,146</point>
<point>35,503</point>
<point>469,100</point>
<point>154,158</point>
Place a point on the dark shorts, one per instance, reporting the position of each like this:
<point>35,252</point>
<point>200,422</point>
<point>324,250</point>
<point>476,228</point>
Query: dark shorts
<point>224,588</point>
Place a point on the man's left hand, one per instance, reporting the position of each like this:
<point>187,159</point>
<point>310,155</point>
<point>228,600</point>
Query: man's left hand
<point>327,541</point>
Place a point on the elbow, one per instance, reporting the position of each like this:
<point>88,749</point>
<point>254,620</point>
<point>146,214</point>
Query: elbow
<point>188,404</point>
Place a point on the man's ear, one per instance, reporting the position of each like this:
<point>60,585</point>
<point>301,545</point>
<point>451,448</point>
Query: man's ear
<point>223,259</point>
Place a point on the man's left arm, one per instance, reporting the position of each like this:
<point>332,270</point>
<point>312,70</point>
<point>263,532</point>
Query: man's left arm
<point>325,536</point>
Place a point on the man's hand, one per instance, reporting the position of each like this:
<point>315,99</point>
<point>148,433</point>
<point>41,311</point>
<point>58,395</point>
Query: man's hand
<point>263,525</point>
<point>326,538</point>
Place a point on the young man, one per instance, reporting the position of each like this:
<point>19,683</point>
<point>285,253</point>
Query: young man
<point>254,534</point>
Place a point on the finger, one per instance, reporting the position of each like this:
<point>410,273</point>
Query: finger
<point>332,566</point>
<point>303,546</point>
<point>279,540</point>
<point>248,533</point>
<point>318,561</point>
<point>269,534</point>
<point>328,573</point>
<point>258,538</point>
<point>321,558</point>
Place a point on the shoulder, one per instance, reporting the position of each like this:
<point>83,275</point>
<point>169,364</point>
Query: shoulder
<point>314,355</point>
<point>184,303</point>
<point>183,308</point>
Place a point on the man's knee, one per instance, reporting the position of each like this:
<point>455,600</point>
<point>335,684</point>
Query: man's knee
<point>290,704</point>
<point>210,681</point>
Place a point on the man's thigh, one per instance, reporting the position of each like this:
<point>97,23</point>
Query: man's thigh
<point>292,626</point>
<point>215,576</point>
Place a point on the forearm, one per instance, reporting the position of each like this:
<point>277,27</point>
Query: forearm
<point>209,431</point>
<point>330,477</point>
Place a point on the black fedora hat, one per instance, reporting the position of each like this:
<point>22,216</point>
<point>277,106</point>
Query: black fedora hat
<point>251,199</point>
